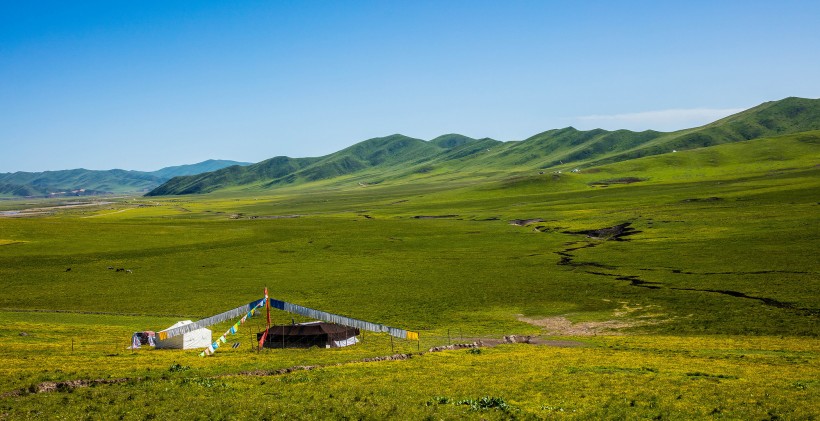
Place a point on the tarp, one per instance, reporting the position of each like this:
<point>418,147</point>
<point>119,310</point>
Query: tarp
<point>192,339</point>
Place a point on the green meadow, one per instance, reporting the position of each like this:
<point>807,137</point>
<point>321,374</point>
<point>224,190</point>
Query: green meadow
<point>709,309</point>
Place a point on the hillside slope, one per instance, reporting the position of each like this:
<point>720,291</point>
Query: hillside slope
<point>382,153</point>
<point>398,157</point>
<point>790,115</point>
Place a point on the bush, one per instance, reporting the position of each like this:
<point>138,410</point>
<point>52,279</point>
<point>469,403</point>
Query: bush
<point>178,367</point>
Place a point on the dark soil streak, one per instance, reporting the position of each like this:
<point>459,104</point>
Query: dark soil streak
<point>767,301</point>
<point>638,282</point>
<point>757,272</point>
<point>617,233</point>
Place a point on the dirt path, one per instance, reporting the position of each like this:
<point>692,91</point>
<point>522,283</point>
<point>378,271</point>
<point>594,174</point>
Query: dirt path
<point>561,326</point>
<point>109,213</point>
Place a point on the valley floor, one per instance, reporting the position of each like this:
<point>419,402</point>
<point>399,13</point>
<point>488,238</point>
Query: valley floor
<point>695,292</point>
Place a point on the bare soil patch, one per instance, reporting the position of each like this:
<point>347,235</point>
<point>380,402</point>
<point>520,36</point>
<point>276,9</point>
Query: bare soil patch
<point>561,326</point>
<point>700,199</point>
<point>617,232</point>
<point>524,222</point>
<point>622,180</point>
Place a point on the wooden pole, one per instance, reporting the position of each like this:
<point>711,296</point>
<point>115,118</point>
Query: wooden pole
<point>448,337</point>
<point>391,344</point>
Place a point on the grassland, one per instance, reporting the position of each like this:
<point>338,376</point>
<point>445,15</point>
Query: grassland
<point>716,297</point>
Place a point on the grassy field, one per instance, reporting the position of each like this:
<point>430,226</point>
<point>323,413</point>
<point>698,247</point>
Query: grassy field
<point>613,377</point>
<point>715,298</point>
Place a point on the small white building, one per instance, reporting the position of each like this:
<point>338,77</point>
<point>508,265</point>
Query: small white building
<point>196,339</point>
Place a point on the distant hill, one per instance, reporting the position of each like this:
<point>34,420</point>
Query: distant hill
<point>81,182</point>
<point>193,169</point>
<point>398,157</point>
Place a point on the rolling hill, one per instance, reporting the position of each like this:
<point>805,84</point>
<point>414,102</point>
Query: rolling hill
<point>89,182</point>
<point>397,157</point>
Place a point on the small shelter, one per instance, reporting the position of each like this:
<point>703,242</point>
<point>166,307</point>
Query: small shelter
<point>138,339</point>
<point>306,335</point>
<point>195,339</point>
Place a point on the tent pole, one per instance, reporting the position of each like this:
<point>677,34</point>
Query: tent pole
<point>264,337</point>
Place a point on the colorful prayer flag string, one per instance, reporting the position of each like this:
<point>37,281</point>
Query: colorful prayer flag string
<point>211,349</point>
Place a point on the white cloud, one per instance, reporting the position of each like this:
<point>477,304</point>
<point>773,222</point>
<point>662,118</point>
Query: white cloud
<point>662,120</point>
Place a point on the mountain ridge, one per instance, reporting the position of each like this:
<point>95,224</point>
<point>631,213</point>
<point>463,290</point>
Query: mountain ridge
<point>81,181</point>
<point>397,156</point>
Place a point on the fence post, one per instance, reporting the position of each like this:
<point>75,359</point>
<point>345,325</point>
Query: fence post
<point>391,344</point>
<point>448,337</point>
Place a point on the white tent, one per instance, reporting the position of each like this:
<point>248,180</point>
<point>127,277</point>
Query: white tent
<point>199,338</point>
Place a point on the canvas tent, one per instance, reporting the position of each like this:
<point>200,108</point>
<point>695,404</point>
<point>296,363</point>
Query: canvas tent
<point>306,335</point>
<point>199,338</point>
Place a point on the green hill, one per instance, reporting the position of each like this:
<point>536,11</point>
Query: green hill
<point>88,182</point>
<point>269,169</point>
<point>381,153</point>
<point>399,157</point>
<point>790,115</point>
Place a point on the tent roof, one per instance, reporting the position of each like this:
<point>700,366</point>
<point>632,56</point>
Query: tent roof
<point>182,323</point>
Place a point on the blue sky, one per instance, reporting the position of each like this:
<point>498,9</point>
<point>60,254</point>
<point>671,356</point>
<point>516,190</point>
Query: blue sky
<point>144,85</point>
